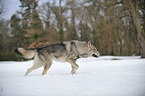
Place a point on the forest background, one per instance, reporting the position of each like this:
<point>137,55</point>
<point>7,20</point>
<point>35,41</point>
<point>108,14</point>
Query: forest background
<point>115,27</point>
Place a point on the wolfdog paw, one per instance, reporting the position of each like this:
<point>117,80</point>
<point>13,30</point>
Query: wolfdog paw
<point>43,73</point>
<point>73,73</point>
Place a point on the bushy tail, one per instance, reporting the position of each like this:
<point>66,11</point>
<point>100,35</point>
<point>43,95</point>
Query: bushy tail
<point>26,53</point>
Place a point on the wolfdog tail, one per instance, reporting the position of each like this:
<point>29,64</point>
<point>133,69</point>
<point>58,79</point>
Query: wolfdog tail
<point>26,53</point>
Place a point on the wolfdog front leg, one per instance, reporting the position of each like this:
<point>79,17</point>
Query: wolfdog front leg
<point>74,65</point>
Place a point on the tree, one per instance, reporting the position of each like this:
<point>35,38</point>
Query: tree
<point>58,12</point>
<point>50,29</point>
<point>2,9</point>
<point>141,40</point>
<point>17,32</point>
<point>31,23</point>
<point>84,29</point>
<point>74,9</point>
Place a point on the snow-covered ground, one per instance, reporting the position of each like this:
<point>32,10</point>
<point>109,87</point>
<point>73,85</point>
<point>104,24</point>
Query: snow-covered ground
<point>104,76</point>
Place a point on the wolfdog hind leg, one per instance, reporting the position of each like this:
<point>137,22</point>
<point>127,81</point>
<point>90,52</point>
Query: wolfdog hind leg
<point>37,63</point>
<point>47,64</point>
<point>74,65</point>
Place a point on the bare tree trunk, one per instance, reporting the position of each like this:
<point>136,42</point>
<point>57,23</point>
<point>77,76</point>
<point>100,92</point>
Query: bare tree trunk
<point>73,30</point>
<point>61,24</point>
<point>143,10</point>
<point>144,22</point>
<point>140,38</point>
<point>61,33</point>
<point>94,36</point>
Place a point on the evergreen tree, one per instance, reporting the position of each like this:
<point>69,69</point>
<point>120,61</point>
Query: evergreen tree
<point>31,23</point>
<point>17,32</point>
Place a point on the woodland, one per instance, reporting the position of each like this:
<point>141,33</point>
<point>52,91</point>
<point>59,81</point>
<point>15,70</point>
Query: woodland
<point>115,27</point>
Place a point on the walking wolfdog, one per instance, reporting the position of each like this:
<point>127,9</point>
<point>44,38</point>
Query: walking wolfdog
<point>68,51</point>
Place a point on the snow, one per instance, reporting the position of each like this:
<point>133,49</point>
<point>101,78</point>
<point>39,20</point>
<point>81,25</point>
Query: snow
<point>103,76</point>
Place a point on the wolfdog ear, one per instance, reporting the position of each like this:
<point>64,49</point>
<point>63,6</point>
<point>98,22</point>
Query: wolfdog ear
<point>89,43</point>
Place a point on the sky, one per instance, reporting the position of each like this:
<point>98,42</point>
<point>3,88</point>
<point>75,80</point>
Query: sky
<point>11,6</point>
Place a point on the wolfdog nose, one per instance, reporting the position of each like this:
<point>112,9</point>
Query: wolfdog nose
<point>95,55</point>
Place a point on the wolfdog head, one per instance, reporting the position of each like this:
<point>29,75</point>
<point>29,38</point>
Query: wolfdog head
<point>92,50</point>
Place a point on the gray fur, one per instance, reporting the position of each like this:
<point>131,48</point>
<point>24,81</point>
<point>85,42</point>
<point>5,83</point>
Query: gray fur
<point>68,51</point>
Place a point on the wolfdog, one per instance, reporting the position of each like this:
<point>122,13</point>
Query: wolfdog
<point>68,51</point>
